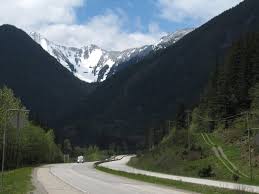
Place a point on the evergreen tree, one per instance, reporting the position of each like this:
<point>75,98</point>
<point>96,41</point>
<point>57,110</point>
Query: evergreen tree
<point>228,91</point>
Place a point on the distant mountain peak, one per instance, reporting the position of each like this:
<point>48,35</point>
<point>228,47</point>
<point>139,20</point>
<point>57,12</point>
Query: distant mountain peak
<point>94,64</point>
<point>173,37</point>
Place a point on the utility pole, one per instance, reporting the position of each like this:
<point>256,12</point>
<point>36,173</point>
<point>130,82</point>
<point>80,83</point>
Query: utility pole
<point>18,139</point>
<point>150,138</point>
<point>169,126</point>
<point>249,145</point>
<point>4,138</point>
<point>3,154</point>
<point>188,126</point>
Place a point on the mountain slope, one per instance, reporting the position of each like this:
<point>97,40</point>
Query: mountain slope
<point>94,64</point>
<point>45,87</point>
<point>233,89</point>
<point>143,94</point>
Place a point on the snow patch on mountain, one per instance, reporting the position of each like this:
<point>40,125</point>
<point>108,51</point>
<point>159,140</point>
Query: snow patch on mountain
<point>94,64</point>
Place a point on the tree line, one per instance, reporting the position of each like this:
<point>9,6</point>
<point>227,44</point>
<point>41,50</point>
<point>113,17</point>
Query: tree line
<point>234,86</point>
<point>31,144</point>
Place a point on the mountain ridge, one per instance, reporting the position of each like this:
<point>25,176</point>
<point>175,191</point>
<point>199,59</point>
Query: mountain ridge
<point>146,93</point>
<point>46,88</point>
<point>94,64</point>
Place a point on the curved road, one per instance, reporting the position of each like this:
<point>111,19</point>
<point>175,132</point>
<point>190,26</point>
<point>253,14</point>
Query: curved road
<point>121,165</point>
<point>83,178</point>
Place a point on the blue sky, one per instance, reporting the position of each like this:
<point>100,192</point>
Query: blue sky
<point>110,24</point>
<point>139,14</point>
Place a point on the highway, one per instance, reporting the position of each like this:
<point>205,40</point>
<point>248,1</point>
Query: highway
<point>121,165</point>
<point>84,178</point>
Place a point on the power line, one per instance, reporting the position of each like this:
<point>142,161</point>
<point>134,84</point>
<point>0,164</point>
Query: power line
<point>222,119</point>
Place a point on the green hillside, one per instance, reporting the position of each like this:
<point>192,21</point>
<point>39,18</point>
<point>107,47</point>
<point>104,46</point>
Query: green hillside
<point>223,125</point>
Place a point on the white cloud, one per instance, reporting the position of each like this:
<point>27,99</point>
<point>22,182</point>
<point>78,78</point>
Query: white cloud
<point>106,31</point>
<point>193,10</point>
<point>33,13</point>
<point>56,20</point>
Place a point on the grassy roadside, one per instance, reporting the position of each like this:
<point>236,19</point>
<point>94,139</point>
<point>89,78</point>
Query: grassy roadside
<point>171,183</point>
<point>18,181</point>
<point>234,152</point>
<point>168,158</point>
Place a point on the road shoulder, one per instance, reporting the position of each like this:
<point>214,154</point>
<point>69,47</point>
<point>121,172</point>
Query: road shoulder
<point>38,187</point>
<point>45,182</point>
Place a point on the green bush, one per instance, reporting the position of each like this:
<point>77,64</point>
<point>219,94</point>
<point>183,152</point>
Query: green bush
<point>93,153</point>
<point>206,172</point>
<point>235,177</point>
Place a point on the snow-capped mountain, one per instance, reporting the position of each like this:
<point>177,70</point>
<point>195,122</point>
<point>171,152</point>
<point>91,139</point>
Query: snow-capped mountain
<point>94,64</point>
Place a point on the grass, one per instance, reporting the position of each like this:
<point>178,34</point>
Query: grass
<point>17,181</point>
<point>167,158</point>
<point>171,183</point>
<point>234,152</point>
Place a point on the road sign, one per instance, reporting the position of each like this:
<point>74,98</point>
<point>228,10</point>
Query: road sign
<point>257,139</point>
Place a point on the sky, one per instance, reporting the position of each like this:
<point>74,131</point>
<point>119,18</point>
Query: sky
<point>110,24</point>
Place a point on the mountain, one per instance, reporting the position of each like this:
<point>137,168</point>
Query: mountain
<point>46,88</point>
<point>233,87</point>
<point>143,95</point>
<point>94,64</point>
<point>138,97</point>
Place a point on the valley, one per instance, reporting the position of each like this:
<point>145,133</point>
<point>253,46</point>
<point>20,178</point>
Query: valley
<point>174,110</point>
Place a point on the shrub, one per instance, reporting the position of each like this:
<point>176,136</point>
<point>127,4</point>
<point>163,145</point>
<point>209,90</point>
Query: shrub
<point>206,172</point>
<point>235,177</point>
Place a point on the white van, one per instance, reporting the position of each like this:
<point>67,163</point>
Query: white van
<point>80,159</point>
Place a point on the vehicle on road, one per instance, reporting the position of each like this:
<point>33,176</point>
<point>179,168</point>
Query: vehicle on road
<point>80,159</point>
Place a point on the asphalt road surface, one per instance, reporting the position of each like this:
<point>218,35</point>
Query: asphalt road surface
<point>83,178</point>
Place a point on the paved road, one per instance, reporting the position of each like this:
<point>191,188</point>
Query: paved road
<point>121,166</point>
<point>83,178</point>
<point>45,182</point>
